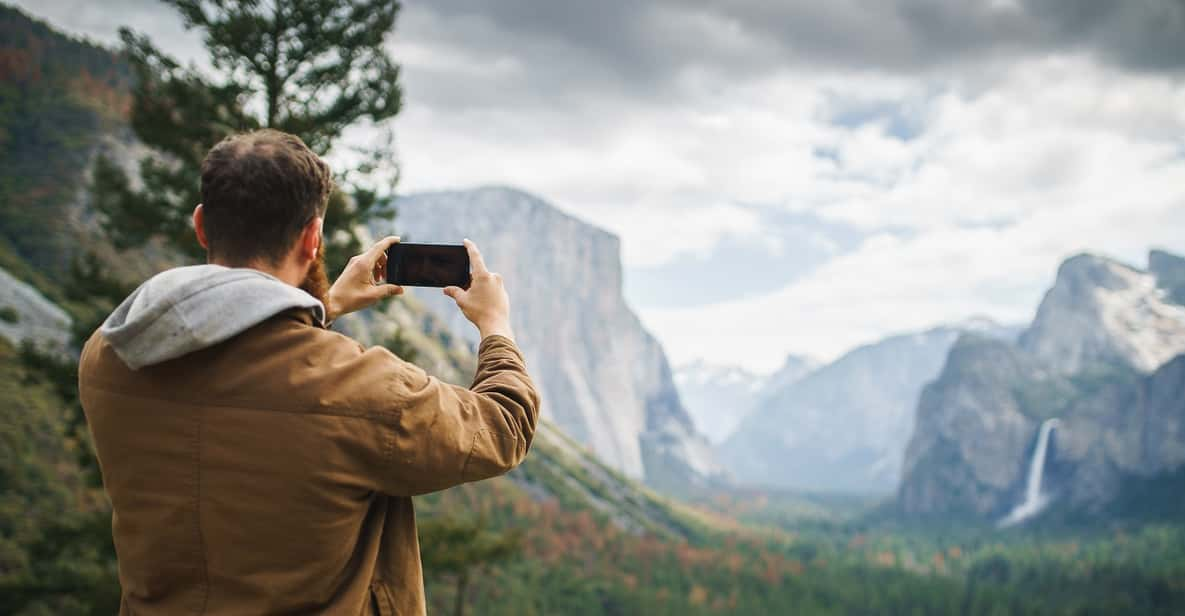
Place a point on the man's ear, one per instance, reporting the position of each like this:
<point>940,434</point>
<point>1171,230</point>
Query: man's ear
<point>310,239</point>
<point>199,226</point>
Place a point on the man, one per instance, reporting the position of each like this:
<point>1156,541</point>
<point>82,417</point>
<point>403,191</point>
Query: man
<point>258,463</point>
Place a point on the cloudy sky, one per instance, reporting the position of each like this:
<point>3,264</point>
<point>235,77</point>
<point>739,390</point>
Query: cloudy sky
<point>796,175</point>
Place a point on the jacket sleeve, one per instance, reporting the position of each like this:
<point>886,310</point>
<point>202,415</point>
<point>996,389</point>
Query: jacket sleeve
<point>434,435</point>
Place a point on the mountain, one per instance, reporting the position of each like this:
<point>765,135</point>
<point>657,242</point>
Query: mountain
<point>603,378</point>
<point>972,432</point>
<point>719,396</point>
<point>1103,356</point>
<point>1101,313</point>
<point>793,368</point>
<point>843,426</point>
<point>716,396</point>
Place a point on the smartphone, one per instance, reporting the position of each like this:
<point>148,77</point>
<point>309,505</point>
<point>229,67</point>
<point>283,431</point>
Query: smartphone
<point>428,265</point>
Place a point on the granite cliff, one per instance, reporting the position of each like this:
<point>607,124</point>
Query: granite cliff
<point>604,379</point>
<point>1104,355</point>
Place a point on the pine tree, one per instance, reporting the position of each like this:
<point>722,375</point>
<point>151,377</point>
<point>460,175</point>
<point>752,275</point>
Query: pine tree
<point>459,547</point>
<point>309,67</point>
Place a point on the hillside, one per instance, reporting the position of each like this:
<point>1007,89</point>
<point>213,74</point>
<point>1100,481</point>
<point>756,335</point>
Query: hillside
<point>62,100</point>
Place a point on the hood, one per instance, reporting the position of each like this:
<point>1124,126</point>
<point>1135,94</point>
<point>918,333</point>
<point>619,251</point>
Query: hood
<point>187,309</point>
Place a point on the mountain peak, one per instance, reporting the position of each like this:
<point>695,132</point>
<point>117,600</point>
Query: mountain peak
<point>1101,311</point>
<point>509,201</point>
<point>1088,270</point>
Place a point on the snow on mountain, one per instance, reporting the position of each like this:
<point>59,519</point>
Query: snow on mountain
<point>1101,311</point>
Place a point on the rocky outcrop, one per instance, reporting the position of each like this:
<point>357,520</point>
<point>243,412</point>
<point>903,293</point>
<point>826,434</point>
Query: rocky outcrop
<point>26,316</point>
<point>1101,312</point>
<point>1099,356</point>
<point>1169,270</point>
<point>1129,426</point>
<point>843,427</point>
<point>603,378</point>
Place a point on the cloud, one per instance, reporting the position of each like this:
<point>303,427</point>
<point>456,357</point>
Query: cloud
<point>859,167</point>
<point>1061,156</point>
<point>774,248</point>
<point>100,22</point>
<point>649,49</point>
<point>1053,133</point>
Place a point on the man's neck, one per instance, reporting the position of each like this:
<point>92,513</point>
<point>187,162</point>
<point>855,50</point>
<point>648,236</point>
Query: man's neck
<point>286,273</point>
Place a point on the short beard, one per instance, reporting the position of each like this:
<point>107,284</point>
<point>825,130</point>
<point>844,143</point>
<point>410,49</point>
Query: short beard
<point>316,282</point>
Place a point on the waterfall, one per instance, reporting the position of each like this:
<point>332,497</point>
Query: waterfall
<point>1034,501</point>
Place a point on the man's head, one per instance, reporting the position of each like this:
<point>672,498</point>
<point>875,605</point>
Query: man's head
<point>264,195</point>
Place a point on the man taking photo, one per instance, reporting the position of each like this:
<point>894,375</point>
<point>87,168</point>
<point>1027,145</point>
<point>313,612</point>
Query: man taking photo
<point>258,463</point>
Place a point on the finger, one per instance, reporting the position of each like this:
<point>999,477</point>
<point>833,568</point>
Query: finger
<point>381,291</point>
<point>476,263</point>
<point>380,247</point>
<point>453,292</point>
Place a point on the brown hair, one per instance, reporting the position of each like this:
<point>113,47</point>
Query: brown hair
<point>259,190</point>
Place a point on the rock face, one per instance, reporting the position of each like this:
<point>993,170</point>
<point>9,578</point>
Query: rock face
<point>603,378</point>
<point>1169,270</point>
<point>971,431</point>
<point>1131,426</point>
<point>27,316</point>
<point>1099,356</point>
<point>1100,313</point>
<point>842,427</point>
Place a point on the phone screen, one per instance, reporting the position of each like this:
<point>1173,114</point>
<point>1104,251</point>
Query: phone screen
<point>428,265</point>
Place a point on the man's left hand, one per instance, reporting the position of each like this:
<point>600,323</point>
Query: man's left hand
<point>363,282</point>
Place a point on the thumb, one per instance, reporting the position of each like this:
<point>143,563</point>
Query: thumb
<point>453,292</point>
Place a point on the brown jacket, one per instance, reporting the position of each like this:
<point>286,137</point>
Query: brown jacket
<point>272,473</point>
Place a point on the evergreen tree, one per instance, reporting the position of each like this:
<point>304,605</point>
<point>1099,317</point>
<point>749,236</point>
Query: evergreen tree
<point>309,67</point>
<point>459,547</point>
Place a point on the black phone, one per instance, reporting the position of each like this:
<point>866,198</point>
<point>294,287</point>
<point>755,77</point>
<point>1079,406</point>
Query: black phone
<point>428,265</point>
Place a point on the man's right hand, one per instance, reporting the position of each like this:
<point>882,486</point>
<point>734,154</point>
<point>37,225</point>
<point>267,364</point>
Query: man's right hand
<point>485,303</point>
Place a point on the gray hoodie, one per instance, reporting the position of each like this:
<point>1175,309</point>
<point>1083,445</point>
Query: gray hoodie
<point>186,309</point>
